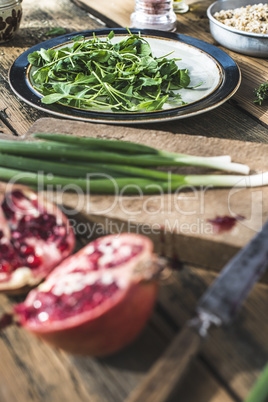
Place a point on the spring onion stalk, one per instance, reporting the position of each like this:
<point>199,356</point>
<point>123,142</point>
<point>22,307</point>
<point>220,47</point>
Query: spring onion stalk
<point>255,180</point>
<point>119,146</point>
<point>59,168</point>
<point>128,186</point>
<point>49,150</point>
<point>102,143</point>
<point>70,170</point>
<point>259,392</point>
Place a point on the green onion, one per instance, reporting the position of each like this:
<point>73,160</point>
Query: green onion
<point>255,180</point>
<point>102,186</point>
<point>130,185</point>
<point>102,143</point>
<point>259,392</point>
<point>65,169</point>
<point>159,158</point>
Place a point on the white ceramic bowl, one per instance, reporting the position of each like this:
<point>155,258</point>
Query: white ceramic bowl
<point>252,44</point>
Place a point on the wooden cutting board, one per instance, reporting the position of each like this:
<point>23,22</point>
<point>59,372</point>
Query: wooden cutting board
<point>177,223</point>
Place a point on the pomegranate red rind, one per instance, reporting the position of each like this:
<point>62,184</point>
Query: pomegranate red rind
<point>34,237</point>
<point>96,301</point>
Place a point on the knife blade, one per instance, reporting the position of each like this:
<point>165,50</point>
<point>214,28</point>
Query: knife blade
<point>219,305</point>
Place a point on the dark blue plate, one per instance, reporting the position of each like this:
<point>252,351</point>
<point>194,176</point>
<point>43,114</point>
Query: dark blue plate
<point>227,79</point>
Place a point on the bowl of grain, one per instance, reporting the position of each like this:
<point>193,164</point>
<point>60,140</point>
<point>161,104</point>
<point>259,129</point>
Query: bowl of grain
<point>240,25</point>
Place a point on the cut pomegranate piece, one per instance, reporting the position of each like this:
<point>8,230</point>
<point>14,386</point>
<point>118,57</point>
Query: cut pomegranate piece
<point>31,238</point>
<point>97,300</point>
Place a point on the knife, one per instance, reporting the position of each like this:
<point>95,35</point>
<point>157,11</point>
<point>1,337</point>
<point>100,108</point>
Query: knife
<point>217,306</point>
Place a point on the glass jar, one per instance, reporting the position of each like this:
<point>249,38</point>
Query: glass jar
<point>154,14</point>
<point>10,17</point>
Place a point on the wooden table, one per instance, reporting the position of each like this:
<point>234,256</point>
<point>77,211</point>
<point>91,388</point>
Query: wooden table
<point>232,358</point>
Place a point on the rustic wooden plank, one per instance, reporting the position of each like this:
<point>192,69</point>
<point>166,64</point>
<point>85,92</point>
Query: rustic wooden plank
<point>226,121</point>
<point>114,13</point>
<point>17,115</point>
<point>195,23</point>
<point>170,368</point>
<point>37,372</point>
<point>237,353</point>
<point>206,389</point>
<point>5,131</point>
<point>36,22</point>
<point>174,222</point>
<point>34,371</point>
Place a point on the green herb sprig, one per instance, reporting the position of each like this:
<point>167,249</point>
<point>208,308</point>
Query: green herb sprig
<point>96,73</point>
<point>261,93</point>
<point>56,31</point>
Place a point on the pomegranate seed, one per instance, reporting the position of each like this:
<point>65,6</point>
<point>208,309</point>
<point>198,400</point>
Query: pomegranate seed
<point>33,261</point>
<point>63,246</point>
<point>5,267</point>
<point>59,231</point>
<point>25,220</point>
<point>16,234</point>
<point>7,210</point>
<point>25,249</point>
<point>18,194</point>
<point>94,258</point>
<point>4,249</point>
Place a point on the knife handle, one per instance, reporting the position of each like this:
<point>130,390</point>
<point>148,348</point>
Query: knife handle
<point>168,370</point>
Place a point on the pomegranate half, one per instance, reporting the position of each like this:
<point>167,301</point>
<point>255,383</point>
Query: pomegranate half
<point>34,237</point>
<point>97,300</point>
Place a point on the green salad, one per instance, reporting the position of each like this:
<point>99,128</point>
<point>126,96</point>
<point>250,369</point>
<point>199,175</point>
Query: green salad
<point>96,73</point>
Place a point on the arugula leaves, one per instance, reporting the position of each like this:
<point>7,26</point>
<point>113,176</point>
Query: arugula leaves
<point>98,74</point>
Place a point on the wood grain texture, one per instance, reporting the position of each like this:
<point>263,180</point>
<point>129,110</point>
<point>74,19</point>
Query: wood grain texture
<point>195,23</point>
<point>233,357</point>
<point>37,372</point>
<point>114,13</point>
<point>238,352</point>
<point>40,373</point>
<point>178,224</point>
<point>16,115</point>
<point>169,370</point>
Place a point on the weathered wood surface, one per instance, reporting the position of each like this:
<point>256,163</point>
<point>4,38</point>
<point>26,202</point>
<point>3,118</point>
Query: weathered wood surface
<point>195,23</point>
<point>175,222</point>
<point>17,116</point>
<point>231,359</point>
<point>226,368</point>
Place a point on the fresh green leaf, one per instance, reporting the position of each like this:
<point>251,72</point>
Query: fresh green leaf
<point>111,35</point>
<point>52,98</point>
<point>56,31</point>
<point>184,78</point>
<point>35,59</point>
<point>261,93</point>
<point>45,54</point>
<point>78,38</point>
<point>40,76</point>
